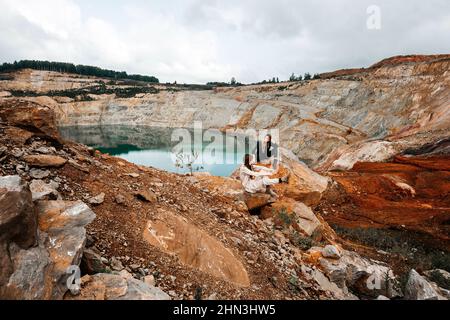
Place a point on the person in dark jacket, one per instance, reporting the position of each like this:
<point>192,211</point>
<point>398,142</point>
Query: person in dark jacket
<point>267,152</point>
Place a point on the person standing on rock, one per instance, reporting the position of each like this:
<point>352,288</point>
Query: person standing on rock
<point>267,152</point>
<point>256,179</point>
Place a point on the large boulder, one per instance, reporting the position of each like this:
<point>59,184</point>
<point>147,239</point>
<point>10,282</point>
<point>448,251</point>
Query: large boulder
<point>304,185</point>
<point>366,277</point>
<point>418,288</point>
<point>257,200</point>
<point>290,212</point>
<point>18,221</point>
<point>41,272</point>
<point>35,118</point>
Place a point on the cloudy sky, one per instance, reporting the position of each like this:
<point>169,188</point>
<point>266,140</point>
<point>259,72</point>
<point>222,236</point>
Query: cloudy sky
<point>196,41</point>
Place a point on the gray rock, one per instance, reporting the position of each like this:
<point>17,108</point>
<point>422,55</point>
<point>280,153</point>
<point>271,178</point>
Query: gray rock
<point>331,252</point>
<point>138,290</point>
<point>31,270</point>
<point>64,222</point>
<point>41,272</point>
<point>440,277</point>
<point>41,190</point>
<point>39,174</point>
<point>116,264</point>
<point>383,298</point>
<point>18,221</point>
<point>417,288</point>
<point>92,262</point>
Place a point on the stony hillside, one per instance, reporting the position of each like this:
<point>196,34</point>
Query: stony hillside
<point>375,208</point>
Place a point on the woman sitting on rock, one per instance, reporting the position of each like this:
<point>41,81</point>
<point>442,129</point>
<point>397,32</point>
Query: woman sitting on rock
<point>256,179</point>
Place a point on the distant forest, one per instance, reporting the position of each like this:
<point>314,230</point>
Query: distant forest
<point>77,69</point>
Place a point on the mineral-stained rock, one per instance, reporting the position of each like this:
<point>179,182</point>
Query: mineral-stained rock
<point>196,248</point>
<point>301,216</point>
<point>18,221</point>
<point>41,272</point>
<point>304,184</point>
<point>43,160</point>
<point>331,252</point>
<point>31,116</point>
<point>40,190</point>
<point>147,195</point>
<point>257,200</point>
<point>418,288</point>
<point>65,223</point>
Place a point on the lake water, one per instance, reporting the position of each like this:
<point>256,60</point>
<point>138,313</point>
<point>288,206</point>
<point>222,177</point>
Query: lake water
<point>165,148</point>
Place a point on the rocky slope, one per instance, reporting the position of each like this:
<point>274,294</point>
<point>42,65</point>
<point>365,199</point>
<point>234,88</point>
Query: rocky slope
<point>131,250</point>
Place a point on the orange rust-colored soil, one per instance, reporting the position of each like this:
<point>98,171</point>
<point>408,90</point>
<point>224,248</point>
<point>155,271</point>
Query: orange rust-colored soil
<point>412,193</point>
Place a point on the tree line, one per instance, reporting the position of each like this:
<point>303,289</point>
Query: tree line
<point>76,69</point>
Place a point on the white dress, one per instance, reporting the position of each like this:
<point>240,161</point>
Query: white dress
<point>254,182</point>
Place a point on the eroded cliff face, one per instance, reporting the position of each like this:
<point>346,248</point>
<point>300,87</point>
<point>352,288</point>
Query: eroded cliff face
<point>395,100</point>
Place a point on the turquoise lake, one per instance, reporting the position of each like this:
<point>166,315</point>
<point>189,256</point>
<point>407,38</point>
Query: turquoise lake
<point>154,147</point>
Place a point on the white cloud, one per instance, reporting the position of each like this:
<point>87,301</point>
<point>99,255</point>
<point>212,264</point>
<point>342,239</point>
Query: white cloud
<point>212,40</point>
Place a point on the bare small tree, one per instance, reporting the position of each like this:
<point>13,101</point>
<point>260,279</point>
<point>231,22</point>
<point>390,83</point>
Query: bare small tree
<point>187,160</point>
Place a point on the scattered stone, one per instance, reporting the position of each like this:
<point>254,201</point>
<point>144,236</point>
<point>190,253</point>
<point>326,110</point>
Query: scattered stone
<point>133,175</point>
<point>331,252</point>
<point>120,199</point>
<point>383,298</point>
<point>116,264</point>
<point>46,150</point>
<point>39,174</point>
<point>78,166</point>
<point>41,190</point>
<point>97,200</point>
<point>45,161</point>
<point>147,195</point>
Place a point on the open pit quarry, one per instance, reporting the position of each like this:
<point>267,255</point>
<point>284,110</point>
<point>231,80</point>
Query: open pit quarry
<point>366,213</point>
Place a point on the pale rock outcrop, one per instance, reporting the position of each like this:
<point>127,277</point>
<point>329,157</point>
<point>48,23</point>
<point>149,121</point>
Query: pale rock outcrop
<point>367,277</point>
<point>41,190</point>
<point>418,288</point>
<point>195,247</point>
<point>116,287</point>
